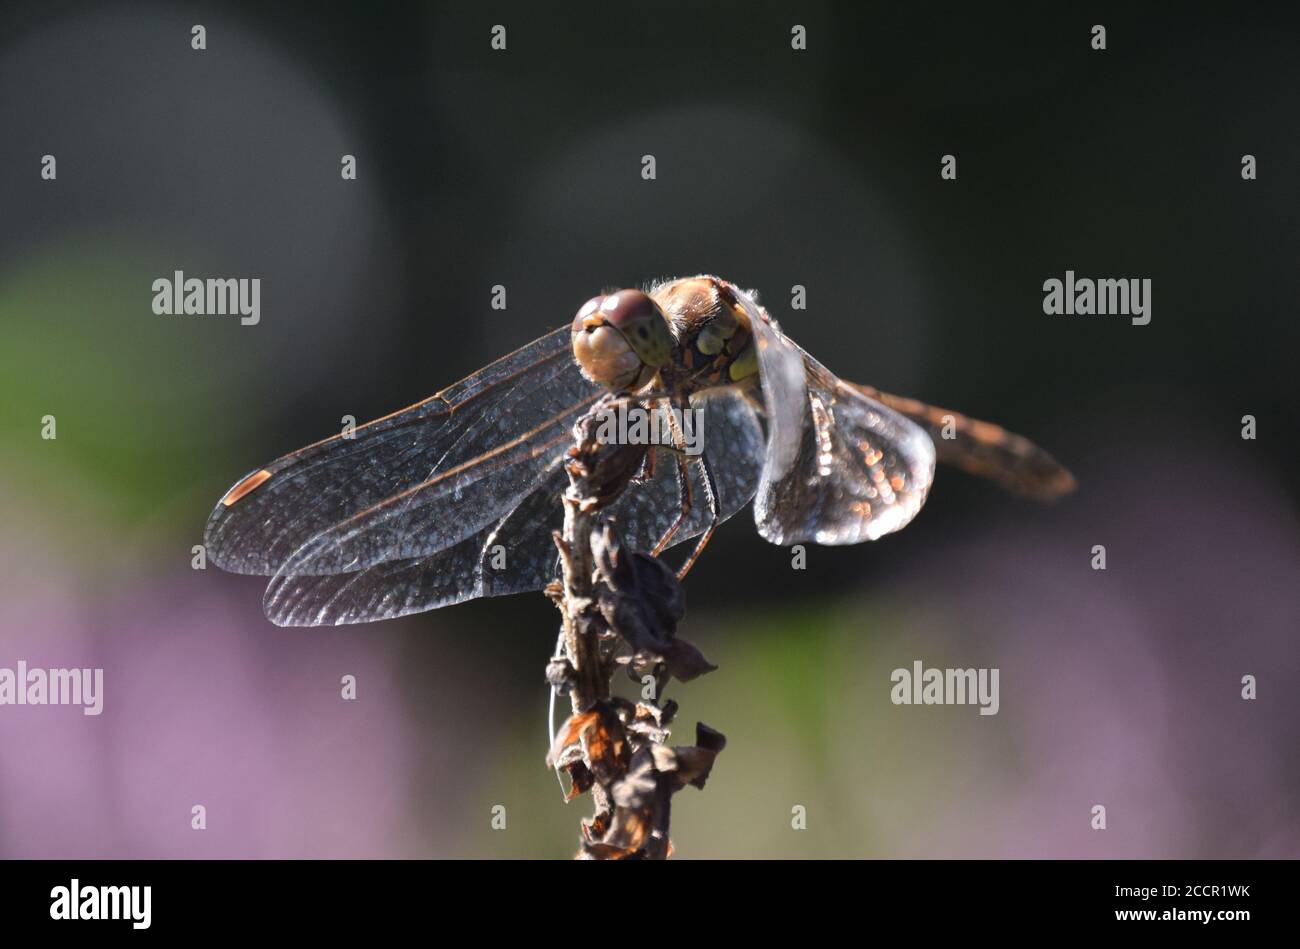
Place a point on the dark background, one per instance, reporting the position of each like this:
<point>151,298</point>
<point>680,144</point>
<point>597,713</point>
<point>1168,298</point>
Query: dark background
<point>775,167</point>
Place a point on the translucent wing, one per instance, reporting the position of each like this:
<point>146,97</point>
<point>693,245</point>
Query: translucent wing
<point>513,554</point>
<point>984,449</point>
<point>783,397</point>
<point>516,554</point>
<point>412,483</point>
<point>840,467</point>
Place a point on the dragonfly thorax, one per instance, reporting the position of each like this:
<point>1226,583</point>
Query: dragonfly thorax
<point>712,328</point>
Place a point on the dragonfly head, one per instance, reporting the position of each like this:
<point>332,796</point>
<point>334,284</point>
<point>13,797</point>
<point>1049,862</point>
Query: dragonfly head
<point>621,340</point>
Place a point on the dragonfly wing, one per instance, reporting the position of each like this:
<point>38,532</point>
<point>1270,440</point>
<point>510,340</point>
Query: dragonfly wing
<point>516,553</point>
<point>862,470</point>
<point>383,591</point>
<point>984,449</point>
<point>784,398</point>
<point>411,483</point>
<point>510,556</point>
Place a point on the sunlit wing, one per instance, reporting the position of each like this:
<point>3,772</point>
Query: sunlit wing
<point>840,467</point>
<point>783,401</point>
<point>516,553</point>
<point>412,483</point>
<point>519,542</point>
<point>984,449</point>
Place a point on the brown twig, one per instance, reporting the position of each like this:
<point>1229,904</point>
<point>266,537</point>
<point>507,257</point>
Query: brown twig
<point>619,609</point>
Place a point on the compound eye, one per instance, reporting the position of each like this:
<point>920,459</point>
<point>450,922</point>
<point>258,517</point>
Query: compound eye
<point>586,318</point>
<point>604,355</point>
<point>642,324</point>
<point>621,339</point>
<point>630,311</point>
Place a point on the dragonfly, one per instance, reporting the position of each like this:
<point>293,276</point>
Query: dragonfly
<point>458,496</point>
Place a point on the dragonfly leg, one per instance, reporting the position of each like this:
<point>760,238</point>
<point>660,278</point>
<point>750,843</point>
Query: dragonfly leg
<point>684,491</point>
<point>647,472</point>
<point>686,495</point>
<point>711,495</point>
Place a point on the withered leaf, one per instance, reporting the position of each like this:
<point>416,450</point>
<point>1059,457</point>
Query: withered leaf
<point>596,738</point>
<point>640,596</point>
<point>580,780</point>
<point>603,851</point>
<point>685,662</point>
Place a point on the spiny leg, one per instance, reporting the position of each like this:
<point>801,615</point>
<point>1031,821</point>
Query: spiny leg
<point>647,472</point>
<point>711,496</point>
<point>685,493</point>
<point>686,496</point>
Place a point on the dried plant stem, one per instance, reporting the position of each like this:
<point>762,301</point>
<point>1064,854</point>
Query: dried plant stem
<point>619,609</point>
<point>590,682</point>
<point>581,637</point>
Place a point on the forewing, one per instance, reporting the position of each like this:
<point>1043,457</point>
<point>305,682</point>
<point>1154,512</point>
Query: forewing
<point>516,553</point>
<point>784,398</point>
<point>411,483</point>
